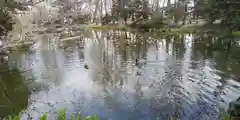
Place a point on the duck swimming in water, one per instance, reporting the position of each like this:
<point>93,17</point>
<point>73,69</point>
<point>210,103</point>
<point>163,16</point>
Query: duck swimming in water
<point>140,63</point>
<point>86,66</point>
<point>138,73</point>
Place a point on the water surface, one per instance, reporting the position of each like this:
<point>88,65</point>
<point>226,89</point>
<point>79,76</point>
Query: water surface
<point>182,77</point>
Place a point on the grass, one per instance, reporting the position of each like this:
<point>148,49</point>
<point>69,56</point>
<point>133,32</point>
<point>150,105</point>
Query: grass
<point>62,115</point>
<point>225,116</point>
<point>183,29</point>
<point>107,27</point>
<point>236,33</point>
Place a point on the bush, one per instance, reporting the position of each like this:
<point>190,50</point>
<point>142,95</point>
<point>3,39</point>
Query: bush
<point>156,22</point>
<point>61,115</point>
<point>6,22</point>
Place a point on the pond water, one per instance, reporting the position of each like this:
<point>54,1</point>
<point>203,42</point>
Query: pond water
<point>177,76</point>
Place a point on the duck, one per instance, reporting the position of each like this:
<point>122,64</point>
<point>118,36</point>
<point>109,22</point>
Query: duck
<point>86,66</point>
<point>139,73</point>
<point>140,62</point>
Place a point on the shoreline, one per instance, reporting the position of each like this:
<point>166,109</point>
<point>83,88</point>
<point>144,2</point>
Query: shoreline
<point>171,31</point>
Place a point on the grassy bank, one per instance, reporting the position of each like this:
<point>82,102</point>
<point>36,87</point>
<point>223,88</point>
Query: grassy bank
<point>107,27</point>
<point>159,31</point>
<point>163,31</point>
<point>236,33</point>
<point>62,115</point>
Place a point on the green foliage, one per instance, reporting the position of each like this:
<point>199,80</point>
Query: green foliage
<point>44,117</point>
<point>6,22</point>
<point>106,19</point>
<point>126,9</point>
<point>236,33</point>
<point>17,117</point>
<point>7,7</point>
<point>177,12</point>
<point>172,118</point>
<point>226,10</point>
<point>156,22</point>
<point>11,5</point>
<point>224,116</point>
<point>62,115</point>
<point>78,117</point>
<point>82,18</point>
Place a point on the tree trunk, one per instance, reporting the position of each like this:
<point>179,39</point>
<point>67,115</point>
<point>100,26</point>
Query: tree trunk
<point>145,9</point>
<point>162,11</point>
<point>101,9</point>
<point>185,13</point>
<point>157,8</point>
<point>175,4</point>
<point>95,12</point>
<point>105,6</point>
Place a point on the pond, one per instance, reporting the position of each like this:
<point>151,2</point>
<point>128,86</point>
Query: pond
<point>178,75</point>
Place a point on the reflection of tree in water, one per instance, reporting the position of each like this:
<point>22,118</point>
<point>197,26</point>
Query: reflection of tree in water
<point>227,60</point>
<point>13,92</point>
<point>80,44</point>
<point>178,45</point>
<point>207,51</point>
<point>111,70</point>
<point>187,68</point>
<point>111,67</point>
<point>131,45</point>
<point>122,45</point>
<point>102,60</point>
<point>222,50</point>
